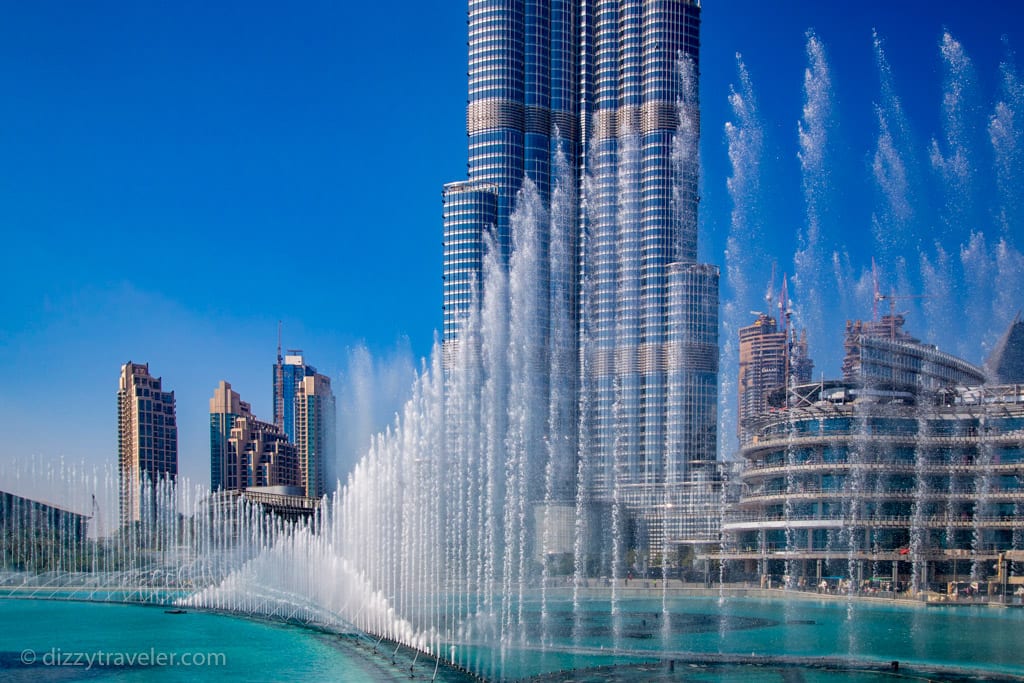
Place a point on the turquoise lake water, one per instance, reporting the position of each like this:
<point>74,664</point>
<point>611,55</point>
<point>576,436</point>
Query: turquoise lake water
<point>53,640</point>
<point>706,639</point>
<point>820,635</point>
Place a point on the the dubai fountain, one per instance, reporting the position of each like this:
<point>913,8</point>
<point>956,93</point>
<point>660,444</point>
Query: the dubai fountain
<point>429,544</point>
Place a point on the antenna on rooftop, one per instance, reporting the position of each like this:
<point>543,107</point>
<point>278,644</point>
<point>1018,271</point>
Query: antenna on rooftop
<point>279,383</point>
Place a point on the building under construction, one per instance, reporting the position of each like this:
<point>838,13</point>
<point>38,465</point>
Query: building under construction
<point>771,358</point>
<point>909,468</point>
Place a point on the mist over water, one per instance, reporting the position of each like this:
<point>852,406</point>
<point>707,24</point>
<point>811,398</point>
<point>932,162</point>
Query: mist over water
<point>371,392</point>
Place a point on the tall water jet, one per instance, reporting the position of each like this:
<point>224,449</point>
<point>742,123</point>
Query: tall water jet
<point>893,217</point>
<point>952,159</point>
<point>979,284</point>
<point>525,449</point>
<point>560,474</point>
<point>1006,134</point>
<point>813,133</point>
<point>745,145</point>
<point>937,286</point>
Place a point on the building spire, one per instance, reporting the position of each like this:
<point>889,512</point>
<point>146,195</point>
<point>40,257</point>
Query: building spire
<point>279,383</point>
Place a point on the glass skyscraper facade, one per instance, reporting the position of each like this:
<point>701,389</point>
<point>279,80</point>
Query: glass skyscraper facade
<point>288,374</point>
<point>470,209</point>
<point>305,411</point>
<point>602,97</point>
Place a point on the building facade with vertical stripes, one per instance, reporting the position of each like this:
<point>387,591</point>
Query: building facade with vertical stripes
<point>601,95</point>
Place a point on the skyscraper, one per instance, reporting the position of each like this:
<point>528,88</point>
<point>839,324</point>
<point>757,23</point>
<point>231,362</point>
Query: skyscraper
<point>314,432</point>
<point>469,210</point>
<point>288,374</point>
<point>147,438</point>
<point>598,102</point>
<point>304,409</point>
<point>226,406</point>
<point>762,369</point>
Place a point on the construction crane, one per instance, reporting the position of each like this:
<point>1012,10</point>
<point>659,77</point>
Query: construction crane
<point>891,298</point>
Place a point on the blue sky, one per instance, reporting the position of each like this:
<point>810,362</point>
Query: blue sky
<point>177,177</point>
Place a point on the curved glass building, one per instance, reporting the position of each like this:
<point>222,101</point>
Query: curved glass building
<point>910,469</point>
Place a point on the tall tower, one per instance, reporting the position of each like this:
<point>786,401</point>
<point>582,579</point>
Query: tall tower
<point>314,431</point>
<point>226,406</point>
<point>639,259</point>
<point>762,369</point>
<point>147,439</point>
<point>288,375</point>
<point>470,210</point>
<point>600,99</point>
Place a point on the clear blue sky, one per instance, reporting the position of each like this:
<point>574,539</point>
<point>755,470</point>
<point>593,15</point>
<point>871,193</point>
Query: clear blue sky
<point>176,177</point>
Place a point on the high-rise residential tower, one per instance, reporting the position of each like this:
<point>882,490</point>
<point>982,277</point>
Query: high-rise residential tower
<point>288,373</point>
<point>244,451</point>
<point>147,439</point>
<point>762,368</point>
<point>226,406</point>
<point>304,410</point>
<point>314,432</point>
<point>598,101</point>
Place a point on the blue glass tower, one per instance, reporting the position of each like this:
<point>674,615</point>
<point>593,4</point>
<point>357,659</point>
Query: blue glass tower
<point>470,210</point>
<point>288,374</point>
<point>606,89</point>
<point>305,410</point>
